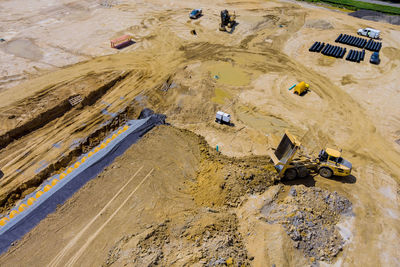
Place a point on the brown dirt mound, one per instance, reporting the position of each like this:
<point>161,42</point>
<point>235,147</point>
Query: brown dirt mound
<point>207,238</point>
<point>223,180</point>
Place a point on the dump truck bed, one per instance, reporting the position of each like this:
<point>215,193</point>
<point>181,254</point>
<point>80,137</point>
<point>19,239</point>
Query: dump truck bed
<point>285,152</point>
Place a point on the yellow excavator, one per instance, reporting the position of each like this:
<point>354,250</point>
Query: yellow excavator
<point>290,163</point>
<point>227,20</point>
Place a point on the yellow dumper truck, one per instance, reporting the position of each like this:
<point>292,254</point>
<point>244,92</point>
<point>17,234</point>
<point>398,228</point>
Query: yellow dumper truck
<point>290,163</point>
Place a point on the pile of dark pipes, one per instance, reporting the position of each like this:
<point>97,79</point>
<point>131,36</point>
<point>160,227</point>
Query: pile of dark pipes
<point>328,50</point>
<point>359,42</point>
<point>356,56</point>
<point>316,47</point>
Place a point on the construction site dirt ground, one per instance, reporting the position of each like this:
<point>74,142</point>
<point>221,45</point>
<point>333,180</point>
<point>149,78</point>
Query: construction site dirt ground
<point>183,212</point>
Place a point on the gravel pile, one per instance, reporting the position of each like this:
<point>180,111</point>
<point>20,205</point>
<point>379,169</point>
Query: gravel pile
<point>309,216</point>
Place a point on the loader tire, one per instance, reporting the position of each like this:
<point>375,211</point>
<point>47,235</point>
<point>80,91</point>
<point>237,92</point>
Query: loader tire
<point>326,172</point>
<point>290,174</point>
<point>303,172</point>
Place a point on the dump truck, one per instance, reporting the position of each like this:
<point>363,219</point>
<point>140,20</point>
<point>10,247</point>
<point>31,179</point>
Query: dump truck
<point>290,162</point>
<point>227,20</point>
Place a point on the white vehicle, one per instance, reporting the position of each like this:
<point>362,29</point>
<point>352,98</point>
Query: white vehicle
<point>372,33</point>
<point>223,117</point>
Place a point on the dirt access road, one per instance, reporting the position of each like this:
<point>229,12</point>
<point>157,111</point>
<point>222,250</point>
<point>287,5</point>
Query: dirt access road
<point>173,72</point>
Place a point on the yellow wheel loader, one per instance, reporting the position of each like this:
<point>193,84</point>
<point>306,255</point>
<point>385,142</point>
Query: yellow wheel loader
<point>290,163</point>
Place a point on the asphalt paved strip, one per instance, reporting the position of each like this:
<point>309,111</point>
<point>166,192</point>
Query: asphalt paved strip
<point>59,193</point>
<point>76,256</point>
<point>71,243</point>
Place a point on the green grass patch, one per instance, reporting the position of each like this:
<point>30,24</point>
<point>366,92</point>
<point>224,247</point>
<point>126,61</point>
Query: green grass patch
<point>356,5</point>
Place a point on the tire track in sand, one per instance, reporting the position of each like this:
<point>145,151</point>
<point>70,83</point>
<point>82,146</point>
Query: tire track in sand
<point>58,258</point>
<point>76,256</point>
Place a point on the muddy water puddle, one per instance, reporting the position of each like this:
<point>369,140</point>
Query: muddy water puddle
<point>229,74</point>
<point>24,48</point>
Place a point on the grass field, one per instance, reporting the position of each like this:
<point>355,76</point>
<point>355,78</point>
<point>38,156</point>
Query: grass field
<point>356,5</point>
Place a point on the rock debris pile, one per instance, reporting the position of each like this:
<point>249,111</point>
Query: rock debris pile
<point>309,216</point>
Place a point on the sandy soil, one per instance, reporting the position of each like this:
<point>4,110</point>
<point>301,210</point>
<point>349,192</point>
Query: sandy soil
<point>140,200</point>
<point>351,106</point>
<point>184,211</point>
<point>163,181</point>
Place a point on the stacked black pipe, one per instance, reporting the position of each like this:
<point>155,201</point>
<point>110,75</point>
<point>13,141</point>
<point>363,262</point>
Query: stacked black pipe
<point>351,40</point>
<point>316,47</point>
<point>373,46</point>
<point>333,51</point>
<point>356,56</point>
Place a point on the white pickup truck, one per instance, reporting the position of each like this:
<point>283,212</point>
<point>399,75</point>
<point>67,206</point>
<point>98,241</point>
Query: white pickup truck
<point>372,33</point>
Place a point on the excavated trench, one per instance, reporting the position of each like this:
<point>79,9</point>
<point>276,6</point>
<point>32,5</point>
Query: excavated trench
<point>93,139</point>
<point>56,112</point>
<point>7,201</point>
